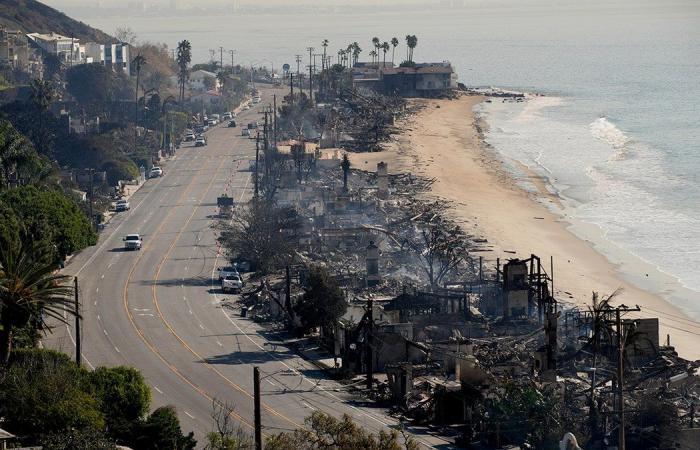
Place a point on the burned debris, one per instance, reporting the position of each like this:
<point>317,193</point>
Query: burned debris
<point>393,290</point>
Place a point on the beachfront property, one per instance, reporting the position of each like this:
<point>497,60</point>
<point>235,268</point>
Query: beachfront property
<point>421,80</point>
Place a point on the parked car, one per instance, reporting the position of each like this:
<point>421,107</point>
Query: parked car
<point>212,122</point>
<point>132,242</point>
<point>257,99</point>
<point>189,137</point>
<point>232,124</point>
<point>227,116</point>
<point>122,205</point>
<point>232,283</point>
<point>245,132</point>
<point>246,107</point>
<point>252,125</point>
<point>200,142</point>
<point>155,172</point>
<point>226,271</point>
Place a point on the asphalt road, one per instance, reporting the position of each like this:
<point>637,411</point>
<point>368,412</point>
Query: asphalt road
<point>161,310</point>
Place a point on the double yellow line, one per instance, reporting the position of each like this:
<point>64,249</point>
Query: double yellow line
<point>140,332</point>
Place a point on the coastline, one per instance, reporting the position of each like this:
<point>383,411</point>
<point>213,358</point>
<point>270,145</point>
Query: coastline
<point>444,140</point>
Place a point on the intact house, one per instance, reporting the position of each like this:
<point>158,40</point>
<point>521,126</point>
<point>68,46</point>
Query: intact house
<point>71,51</point>
<point>421,80</point>
<point>202,80</point>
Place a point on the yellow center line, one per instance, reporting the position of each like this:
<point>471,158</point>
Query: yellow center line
<point>140,333</point>
<point>174,333</point>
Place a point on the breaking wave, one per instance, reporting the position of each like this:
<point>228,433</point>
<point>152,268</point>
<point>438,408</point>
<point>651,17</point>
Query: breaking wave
<point>606,131</point>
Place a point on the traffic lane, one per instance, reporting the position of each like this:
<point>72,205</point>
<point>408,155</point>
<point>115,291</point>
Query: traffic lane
<point>91,266</point>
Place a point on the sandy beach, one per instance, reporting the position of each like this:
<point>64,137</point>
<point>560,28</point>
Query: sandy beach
<point>442,141</point>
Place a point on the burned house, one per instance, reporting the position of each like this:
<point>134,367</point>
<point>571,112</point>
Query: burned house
<point>419,80</point>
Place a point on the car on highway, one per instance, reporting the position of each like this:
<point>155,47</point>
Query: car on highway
<point>232,124</point>
<point>201,141</point>
<point>246,107</point>
<point>212,122</point>
<point>245,132</point>
<point>256,99</point>
<point>226,271</point>
<point>155,172</point>
<point>227,116</point>
<point>132,242</point>
<point>122,205</point>
<point>232,283</point>
<point>189,136</point>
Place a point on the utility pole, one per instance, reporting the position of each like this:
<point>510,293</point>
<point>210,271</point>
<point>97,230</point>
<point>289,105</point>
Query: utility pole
<point>257,163</point>
<point>221,59</point>
<point>368,341</point>
<point>231,52</point>
<point>78,351</point>
<point>311,75</point>
<point>620,376</point>
<point>298,59</point>
<point>256,403</point>
<point>92,216</point>
<point>274,120</point>
<point>288,292</point>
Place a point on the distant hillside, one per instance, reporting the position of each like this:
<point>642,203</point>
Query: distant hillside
<point>31,16</point>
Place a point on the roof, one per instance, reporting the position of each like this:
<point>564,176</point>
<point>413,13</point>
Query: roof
<point>50,37</point>
<point>4,435</point>
<point>203,72</point>
<point>420,69</point>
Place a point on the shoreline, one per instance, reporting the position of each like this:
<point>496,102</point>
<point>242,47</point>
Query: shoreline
<point>444,140</point>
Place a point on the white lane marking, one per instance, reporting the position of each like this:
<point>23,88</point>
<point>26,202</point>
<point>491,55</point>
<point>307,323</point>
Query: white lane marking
<point>190,311</point>
<point>97,290</point>
<point>105,332</point>
<point>156,388</point>
<point>201,326</point>
<point>145,314</point>
<point>308,406</point>
<point>117,349</point>
<point>271,382</point>
<point>219,344</point>
<point>103,275</point>
<point>98,317</point>
<point>94,303</point>
<point>189,415</point>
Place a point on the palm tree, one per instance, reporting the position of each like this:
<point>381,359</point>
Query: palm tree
<point>345,165</point>
<point>13,152</point>
<point>184,57</point>
<point>411,42</point>
<point>375,42</point>
<point>394,43</point>
<point>356,50</point>
<point>138,63</point>
<point>41,95</point>
<point>29,289</point>
<point>385,48</point>
<point>373,53</point>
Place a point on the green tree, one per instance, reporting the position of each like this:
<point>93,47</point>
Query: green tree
<point>29,289</point>
<point>44,392</point>
<point>411,42</point>
<point>41,95</point>
<point>184,57</point>
<point>322,303</point>
<point>50,217</point>
<point>124,398</point>
<point>323,431</point>
<point>376,44</point>
<point>162,431</point>
<point>385,48</point>
<point>91,84</point>
<point>17,157</point>
<point>394,44</point>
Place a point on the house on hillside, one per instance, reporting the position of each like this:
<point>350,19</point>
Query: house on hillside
<point>202,80</point>
<point>209,100</point>
<point>421,80</point>
<point>118,57</point>
<point>67,49</point>
<point>14,51</point>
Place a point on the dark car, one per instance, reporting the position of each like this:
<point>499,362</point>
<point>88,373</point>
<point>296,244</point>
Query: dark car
<point>199,129</point>
<point>232,124</point>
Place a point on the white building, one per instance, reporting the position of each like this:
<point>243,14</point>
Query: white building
<point>67,49</point>
<point>118,57</point>
<point>202,80</point>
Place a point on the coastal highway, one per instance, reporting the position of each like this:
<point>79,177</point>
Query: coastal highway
<point>161,310</point>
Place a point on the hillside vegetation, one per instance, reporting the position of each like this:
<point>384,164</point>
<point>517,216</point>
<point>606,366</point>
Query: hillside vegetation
<point>32,16</point>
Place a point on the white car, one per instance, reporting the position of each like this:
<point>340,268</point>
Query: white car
<point>156,172</point>
<point>232,283</point>
<point>200,142</point>
<point>122,205</point>
<point>245,132</point>
<point>257,99</point>
<point>227,116</point>
<point>132,242</point>
<point>189,137</point>
<point>246,107</point>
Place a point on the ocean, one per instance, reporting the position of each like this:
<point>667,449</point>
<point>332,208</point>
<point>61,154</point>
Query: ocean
<point>616,131</point>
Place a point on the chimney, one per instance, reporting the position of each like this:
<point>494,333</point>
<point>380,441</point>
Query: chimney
<point>382,180</point>
<point>372,262</point>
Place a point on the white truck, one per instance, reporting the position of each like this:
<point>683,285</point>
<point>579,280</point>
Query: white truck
<point>232,283</point>
<point>132,242</point>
